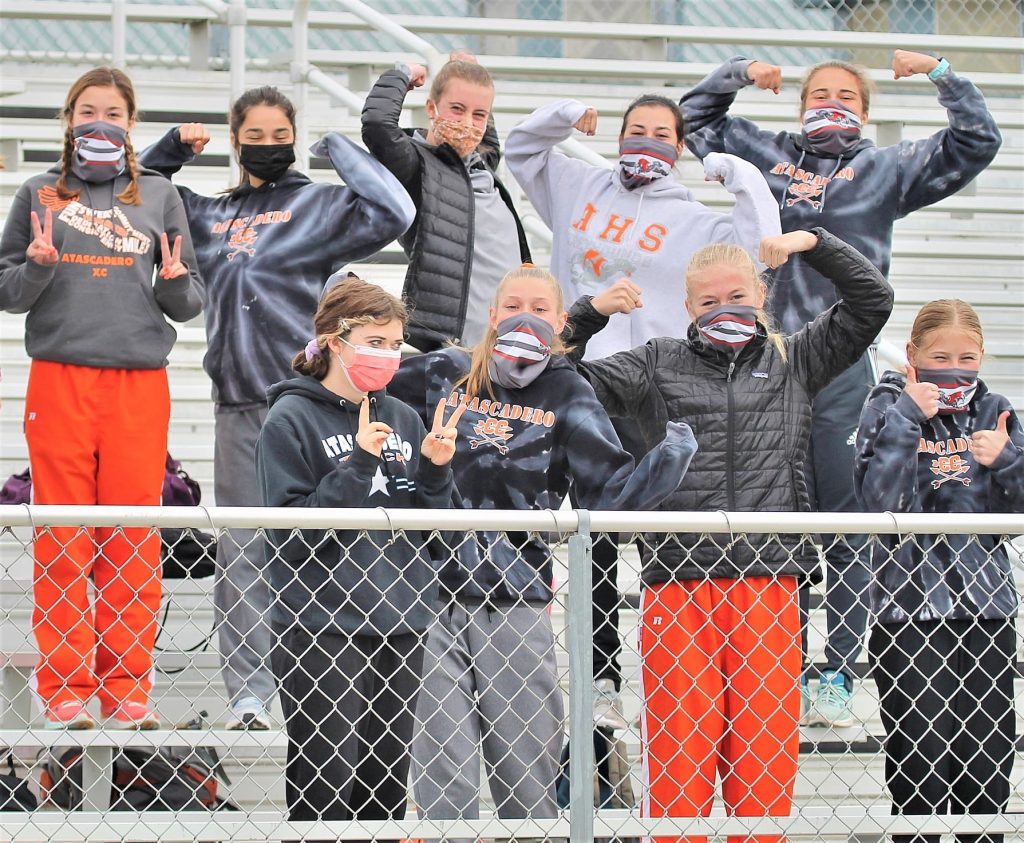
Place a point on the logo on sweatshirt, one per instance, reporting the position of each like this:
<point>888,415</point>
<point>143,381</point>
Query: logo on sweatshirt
<point>494,432</point>
<point>110,226</point>
<point>805,186</point>
<point>950,468</point>
<point>948,464</point>
<point>242,242</point>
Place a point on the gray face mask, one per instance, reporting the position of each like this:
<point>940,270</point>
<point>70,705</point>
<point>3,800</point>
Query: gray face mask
<point>831,128</point>
<point>522,351</point>
<point>99,151</point>
<point>956,387</point>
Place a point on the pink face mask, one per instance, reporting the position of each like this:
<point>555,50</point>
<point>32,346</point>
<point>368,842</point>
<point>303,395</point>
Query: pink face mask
<point>371,368</point>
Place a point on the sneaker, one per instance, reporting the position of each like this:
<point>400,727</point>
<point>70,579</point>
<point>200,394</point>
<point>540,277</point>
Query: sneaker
<point>131,715</point>
<point>806,703</point>
<point>608,706</point>
<point>833,704</point>
<point>249,714</point>
<point>69,715</point>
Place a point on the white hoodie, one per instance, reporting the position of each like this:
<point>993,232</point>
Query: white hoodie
<point>603,231</point>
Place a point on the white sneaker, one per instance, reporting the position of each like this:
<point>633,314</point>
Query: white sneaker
<point>249,713</point>
<point>608,706</point>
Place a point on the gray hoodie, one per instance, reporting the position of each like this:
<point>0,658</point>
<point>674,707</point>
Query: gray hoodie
<point>101,304</point>
<point>602,231</point>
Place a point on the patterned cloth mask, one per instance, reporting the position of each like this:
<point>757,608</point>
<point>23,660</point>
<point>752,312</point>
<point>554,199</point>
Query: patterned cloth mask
<point>831,128</point>
<point>522,350</point>
<point>642,160</point>
<point>371,368</point>
<point>460,137</point>
<point>956,387</point>
<point>728,326</point>
<point>99,151</point>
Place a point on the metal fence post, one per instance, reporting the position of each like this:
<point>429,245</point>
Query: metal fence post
<point>580,643</point>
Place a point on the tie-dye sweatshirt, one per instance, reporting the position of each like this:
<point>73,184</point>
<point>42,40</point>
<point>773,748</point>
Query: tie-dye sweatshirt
<point>857,196</point>
<point>907,463</point>
<point>266,253</point>
<point>520,450</point>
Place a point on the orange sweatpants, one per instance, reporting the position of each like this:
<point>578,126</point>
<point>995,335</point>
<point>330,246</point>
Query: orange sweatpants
<point>721,667</point>
<point>96,436</point>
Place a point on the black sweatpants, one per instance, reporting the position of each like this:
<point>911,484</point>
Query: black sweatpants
<point>946,695</point>
<point>348,703</point>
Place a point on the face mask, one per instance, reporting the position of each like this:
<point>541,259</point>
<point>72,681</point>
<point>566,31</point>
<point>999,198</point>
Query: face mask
<point>371,368</point>
<point>642,160</point>
<point>460,137</point>
<point>728,326</point>
<point>99,151</point>
<point>831,128</point>
<point>522,351</point>
<point>956,387</point>
<point>266,161</point>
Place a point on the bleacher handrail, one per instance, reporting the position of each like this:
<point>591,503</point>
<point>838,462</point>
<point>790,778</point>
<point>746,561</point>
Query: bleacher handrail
<point>563,522</point>
<point>484,26</point>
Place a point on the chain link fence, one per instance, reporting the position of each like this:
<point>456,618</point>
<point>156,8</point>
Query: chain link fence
<point>914,17</point>
<point>407,707</point>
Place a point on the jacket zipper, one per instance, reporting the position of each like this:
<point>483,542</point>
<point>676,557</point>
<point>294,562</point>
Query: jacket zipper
<point>468,266</point>
<point>730,484</point>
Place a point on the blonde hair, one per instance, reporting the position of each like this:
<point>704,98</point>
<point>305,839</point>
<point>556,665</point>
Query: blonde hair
<point>728,254</point>
<point>100,77</point>
<point>941,314</point>
<point>864,81</point>
<point>348,304</point>
<point>478,379</point>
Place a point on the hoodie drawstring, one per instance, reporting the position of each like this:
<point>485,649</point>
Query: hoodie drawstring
<point>824,187</point>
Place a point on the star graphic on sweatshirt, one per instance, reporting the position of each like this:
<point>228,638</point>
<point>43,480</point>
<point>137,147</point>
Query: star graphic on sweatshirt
<point>379,483</point>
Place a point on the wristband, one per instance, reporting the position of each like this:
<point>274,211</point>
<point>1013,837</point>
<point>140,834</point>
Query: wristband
<point>939,70</point>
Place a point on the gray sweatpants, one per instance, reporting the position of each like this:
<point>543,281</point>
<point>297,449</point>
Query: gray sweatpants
<point>490,683</point>
<point>241,592</point>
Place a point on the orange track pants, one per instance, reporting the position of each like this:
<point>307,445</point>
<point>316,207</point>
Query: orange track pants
<point>96,436</point>
<point>721,667</point>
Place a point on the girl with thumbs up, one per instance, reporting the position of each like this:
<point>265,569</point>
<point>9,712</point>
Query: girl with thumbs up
<point>943,645</point>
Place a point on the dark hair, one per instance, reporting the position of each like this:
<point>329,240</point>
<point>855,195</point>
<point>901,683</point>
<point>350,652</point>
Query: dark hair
<point>660,101</point>
<point>348,304</point>
<point>467,70</point>
<point>264,95</point>
<point>100,77</point>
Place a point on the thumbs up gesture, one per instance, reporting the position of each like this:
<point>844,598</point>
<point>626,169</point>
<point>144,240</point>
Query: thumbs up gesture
<point>989,444</point>
<point>925,395</point>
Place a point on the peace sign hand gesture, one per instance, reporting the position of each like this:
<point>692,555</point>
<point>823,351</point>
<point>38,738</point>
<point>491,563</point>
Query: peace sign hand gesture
<point>170,261</point>
<point>41,249</point>
<point>439,444</point>
<point>371,435</point>
<point>924,394</point>
<point>989,444</point>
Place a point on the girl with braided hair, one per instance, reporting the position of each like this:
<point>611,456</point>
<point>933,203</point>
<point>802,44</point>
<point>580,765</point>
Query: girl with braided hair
<point>78,255</point>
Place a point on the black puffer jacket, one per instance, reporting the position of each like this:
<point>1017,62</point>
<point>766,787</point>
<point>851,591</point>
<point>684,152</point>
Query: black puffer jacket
<point>439,243</point>
<point>751,417</point>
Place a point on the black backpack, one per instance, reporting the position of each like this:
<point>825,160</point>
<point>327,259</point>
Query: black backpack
<point>14,792</point>
<point>164,779</point>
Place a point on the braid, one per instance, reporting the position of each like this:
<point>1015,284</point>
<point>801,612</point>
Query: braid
<point>130,195</point>
<point>65,166</point>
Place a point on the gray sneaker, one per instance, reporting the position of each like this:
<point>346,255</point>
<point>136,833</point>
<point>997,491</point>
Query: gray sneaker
<point>608,706</point>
